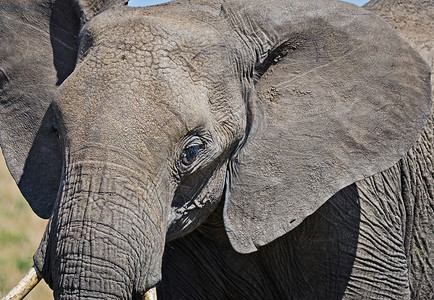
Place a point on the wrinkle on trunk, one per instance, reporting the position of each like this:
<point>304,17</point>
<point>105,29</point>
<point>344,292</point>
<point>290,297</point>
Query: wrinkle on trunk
<point>106,237</point>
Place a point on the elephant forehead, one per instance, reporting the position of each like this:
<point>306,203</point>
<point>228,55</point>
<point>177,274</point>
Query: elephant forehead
<point>149,39</point>
<point>143,44</point>
<point>134,113</point>
<point>151,60</point>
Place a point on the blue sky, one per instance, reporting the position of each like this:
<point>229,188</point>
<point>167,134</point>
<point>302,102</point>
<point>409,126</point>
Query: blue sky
<point>153,2</point>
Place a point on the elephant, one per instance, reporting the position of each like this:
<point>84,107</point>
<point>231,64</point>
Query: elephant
<point>220,149</point>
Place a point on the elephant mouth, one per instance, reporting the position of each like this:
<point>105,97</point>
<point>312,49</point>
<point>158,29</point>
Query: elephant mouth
<point>33,277</point>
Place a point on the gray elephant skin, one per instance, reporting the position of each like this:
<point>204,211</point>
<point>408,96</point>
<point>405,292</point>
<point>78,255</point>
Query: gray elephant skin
<point>221,149</point>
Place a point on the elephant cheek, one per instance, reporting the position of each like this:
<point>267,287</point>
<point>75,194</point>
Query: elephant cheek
<point>105,239</point>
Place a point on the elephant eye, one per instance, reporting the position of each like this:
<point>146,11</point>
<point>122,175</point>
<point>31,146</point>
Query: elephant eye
<point>196,149</point>
<point>191,152</point>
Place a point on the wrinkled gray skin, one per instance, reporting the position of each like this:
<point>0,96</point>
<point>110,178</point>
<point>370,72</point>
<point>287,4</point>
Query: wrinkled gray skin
<point>221,149</point>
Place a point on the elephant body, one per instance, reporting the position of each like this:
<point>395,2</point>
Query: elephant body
<point>222,149</point>
<point>371,240</point>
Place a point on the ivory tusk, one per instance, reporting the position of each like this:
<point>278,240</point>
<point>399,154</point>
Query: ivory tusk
<point>151,294</point>
<point>29,281</point>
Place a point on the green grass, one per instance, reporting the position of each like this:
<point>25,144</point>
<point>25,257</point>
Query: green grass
<point>24,264</point>
<point>3,282</point>
<point>7,237</point>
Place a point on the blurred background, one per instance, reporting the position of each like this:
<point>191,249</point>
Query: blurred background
<point>20,233</point>
<point>21,230</point>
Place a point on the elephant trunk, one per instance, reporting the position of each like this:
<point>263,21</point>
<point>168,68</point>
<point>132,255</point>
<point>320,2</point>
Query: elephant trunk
<point>105,239</point>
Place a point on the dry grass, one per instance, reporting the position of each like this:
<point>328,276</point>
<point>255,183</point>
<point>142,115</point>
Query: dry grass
<point>20,233</point>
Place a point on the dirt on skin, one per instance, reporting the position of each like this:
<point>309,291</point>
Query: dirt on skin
<point>20,233</point>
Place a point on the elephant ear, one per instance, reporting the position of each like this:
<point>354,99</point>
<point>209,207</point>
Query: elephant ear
<point>338,97</point>
<point>38,52</point>
<point>414,21</point>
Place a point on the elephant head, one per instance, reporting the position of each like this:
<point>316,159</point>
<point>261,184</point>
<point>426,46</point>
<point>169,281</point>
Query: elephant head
<point>128,126</point>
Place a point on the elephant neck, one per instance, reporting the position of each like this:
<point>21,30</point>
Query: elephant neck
<point>413,19</point>
<point>213,228</point>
